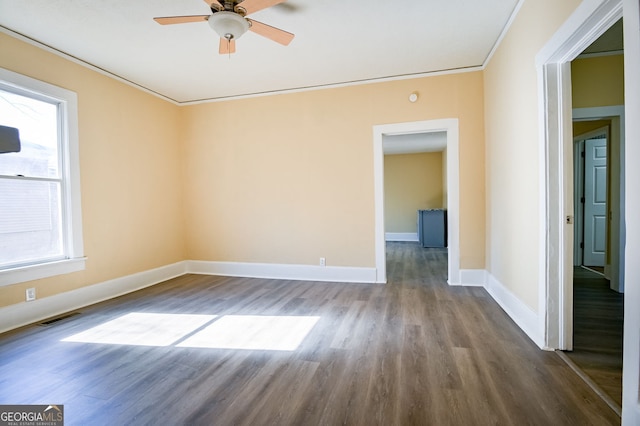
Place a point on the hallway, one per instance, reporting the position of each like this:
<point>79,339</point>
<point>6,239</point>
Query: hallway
<point>597,331</point>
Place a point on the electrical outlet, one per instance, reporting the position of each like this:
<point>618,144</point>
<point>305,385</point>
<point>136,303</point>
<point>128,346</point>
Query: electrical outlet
<point>31,294</point>
<point>323,261</point>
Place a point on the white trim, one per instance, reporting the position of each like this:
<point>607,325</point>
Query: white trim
<point>503,33</point>
<point>590,19</point>
<point>82,63</point>
<point>600,113</point>
<point>600,54</point>
<point>18,315</point>
<point>524,317</point>
<point>344,274</point>
<point>336,85</point>
<point>450,126</point>
<point>70,186</point>
<point>472,278</point>
<point>71,169</point>
<point>401,236</point>
<point>41,270</point>
<point>631,355</point>
<point>233,97</point>
<point>378,189</point>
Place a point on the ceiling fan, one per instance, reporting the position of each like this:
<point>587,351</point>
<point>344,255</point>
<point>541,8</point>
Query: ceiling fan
<point>229,20</point>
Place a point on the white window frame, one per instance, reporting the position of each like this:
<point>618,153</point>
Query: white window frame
<point>73,247</point>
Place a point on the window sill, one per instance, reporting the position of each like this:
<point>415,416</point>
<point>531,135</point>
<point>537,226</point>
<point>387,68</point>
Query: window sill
<point>42,270</point>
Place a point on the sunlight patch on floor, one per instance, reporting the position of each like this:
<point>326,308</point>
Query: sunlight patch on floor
<point>143,329</point>
<point>258,332</point>
<point>250,332</point>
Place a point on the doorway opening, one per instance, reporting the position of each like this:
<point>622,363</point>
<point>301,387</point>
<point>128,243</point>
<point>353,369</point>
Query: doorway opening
<point>588,23</point>
<point>415,193</point>
<point>448,127</point>
<point>414,181</point>
<point>598,153</point>
<point>559,308</point>
<point>598,310</point>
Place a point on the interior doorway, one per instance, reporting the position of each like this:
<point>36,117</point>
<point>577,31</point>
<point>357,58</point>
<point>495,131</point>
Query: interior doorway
<point>449,127</point>
<point>597,280</point>
<point>587,24</point>
<point>414,181</point>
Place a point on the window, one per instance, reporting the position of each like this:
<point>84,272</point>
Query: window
<point>40,218</point>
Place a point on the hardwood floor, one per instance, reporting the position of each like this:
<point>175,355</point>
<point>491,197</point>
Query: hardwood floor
<point>412,352</point>
<point>598,331</point>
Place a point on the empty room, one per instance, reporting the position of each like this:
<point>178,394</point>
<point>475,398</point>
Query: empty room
<point>218,212</point>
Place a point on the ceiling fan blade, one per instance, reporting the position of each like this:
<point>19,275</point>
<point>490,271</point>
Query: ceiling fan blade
<point>251,6</point>
<point>227,46</point>
<point>168,20</point>
<point>279,36</point>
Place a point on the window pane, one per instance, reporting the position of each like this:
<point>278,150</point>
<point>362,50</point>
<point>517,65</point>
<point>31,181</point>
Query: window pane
<point>37,122</point>
<point>30,221</point>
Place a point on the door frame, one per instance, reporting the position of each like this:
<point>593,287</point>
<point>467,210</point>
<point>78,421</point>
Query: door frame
<point>614,267</point>
<point>450,126</point>
<point>590,20</point>
<point>590,17</point>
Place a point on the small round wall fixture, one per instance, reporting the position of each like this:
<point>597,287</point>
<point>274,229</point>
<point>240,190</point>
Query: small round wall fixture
<point>413,97</point>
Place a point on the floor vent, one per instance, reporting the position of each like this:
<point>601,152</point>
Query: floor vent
<point>56,320</point>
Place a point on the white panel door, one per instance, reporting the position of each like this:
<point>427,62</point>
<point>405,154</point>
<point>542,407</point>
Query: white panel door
<point>595,204</point>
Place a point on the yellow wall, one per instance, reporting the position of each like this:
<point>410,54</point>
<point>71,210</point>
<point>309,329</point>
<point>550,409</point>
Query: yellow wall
<point>512,148</point>
<point>583,127</point>
<point>283,179</point>
<point>411,182</point>
<point>597,81</point>
<point>130,167</point>
<point>289,178</point>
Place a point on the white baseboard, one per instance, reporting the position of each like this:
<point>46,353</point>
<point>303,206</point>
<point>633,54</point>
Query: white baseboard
<point>284,272</point>
<point>25,313</point>
<point>401,236</point>
<point>471,278</point>
<point>525,317</point>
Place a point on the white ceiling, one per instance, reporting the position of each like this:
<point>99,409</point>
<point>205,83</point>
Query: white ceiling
<point>337,42</point>
<point>609,42</point>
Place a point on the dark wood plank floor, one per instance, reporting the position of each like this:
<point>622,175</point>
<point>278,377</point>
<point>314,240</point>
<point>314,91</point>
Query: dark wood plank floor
<point>598,316</point>
<point>412,352</point>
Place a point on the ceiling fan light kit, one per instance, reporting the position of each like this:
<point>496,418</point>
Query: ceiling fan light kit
<point>229,25</point>
<point>228,20</point>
